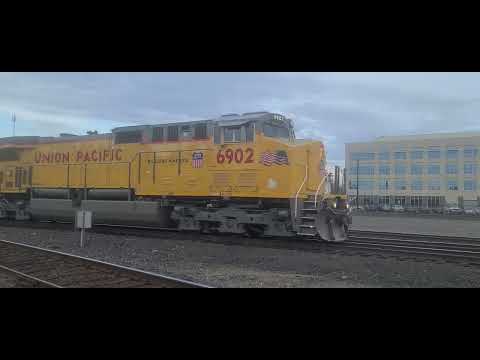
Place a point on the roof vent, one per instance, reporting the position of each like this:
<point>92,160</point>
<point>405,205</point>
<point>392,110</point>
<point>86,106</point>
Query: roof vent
<point>66,135</point>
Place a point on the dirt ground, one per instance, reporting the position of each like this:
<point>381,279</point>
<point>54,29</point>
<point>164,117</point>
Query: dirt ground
<point>222,265</point>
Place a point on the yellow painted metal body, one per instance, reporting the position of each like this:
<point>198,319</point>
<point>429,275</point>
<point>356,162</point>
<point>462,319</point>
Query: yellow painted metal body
<point>167,169</point>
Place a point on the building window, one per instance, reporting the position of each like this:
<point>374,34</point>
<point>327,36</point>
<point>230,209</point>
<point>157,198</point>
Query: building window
<point>416,155</point>
<point>231,135</point>
<point>452,185</point>
<point>469,185</point>
<point>400,155</point>
<point>363,170</point>
<point>469,169</point>
<point>363,156</point>
<point>451,169</point>
<point>433,169</point>
<point>433,154</point>
<point>434,185</point>
<point>400,170</point>
<point>452,154</point>
<point>383,184</point>
<point>400,185</point>
<point>362,185</point>
<point>469,153</point>
<point>157,134</point>
<point>384,156</point>
<point>416,169</point>
<point>417,185</point>
<point>384,170</point>
<point>200,131</point>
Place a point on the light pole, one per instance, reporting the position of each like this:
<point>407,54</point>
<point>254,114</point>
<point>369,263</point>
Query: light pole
<point>358,164</point>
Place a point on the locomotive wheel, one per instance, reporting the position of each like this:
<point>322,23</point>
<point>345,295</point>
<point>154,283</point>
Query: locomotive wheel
<point>254,231</point>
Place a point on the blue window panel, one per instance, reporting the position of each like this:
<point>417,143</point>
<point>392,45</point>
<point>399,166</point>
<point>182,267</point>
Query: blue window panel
<point>400,155</point>
<point>384,184</point>
<point>469,153</point>
<point>400,185</point>
<point>384,169</point>
<point>363,156</point>
<point>433,169</point>
<point>452,185</point>
<point>469,185</point>
<point>416,169</point>
<point>363,170</point>
<point>384,156</point>
<point>433,154</point>
<point>451,169</point>
<point>400,170</point>
<point>452,154</point>
<point>416,155</point>
<point>362,185</point>
<point>434,185</point>
<point>417,185</point>
<point>469,169</point>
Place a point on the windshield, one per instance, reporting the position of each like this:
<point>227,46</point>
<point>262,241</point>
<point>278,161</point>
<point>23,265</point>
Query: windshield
<point>276,131</point>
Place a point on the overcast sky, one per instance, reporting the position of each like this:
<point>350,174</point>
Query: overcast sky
<point>334,107</point>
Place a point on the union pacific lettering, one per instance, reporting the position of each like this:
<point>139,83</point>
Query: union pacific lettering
<point>78,157</point>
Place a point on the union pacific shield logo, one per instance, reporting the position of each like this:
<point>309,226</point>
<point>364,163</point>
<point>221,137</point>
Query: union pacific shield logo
<point>197,160</point>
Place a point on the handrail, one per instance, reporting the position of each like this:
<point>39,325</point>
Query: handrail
<point>300,189</point>
<point>318,190</point>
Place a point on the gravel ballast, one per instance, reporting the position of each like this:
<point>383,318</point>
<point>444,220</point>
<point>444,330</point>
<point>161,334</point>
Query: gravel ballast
<point>223,265</point>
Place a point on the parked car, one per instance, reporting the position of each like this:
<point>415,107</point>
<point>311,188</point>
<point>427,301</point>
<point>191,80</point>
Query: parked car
<point>453,210</point>
<point>476,211</point>
<point>398,208</point>
<point>358,208</point>
<point>469,212</point>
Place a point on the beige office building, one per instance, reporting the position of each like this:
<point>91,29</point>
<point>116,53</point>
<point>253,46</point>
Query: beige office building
<point>419,171</point>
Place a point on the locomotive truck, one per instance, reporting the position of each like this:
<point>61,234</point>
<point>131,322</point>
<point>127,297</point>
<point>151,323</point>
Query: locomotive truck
<point>242,174</point>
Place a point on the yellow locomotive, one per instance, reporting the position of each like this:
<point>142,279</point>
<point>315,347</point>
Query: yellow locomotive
<point>245,174</point>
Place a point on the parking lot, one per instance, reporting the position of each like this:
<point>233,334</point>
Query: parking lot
<point>448,225</point>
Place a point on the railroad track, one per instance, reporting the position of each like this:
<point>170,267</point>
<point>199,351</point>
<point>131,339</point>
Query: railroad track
<point>360,242</point>
<point>451,247</point>
<point>53,269</point>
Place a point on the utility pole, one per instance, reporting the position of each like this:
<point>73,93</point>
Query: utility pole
<point>358,164</point>
<point>14,120</point>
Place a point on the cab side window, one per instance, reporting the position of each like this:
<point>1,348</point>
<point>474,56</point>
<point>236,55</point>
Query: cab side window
<point>250,132</point>
<point>232,135</point>
<point>1,177</point>
<point>187,132</point>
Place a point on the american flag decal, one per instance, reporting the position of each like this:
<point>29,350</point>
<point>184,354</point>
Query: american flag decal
<point>197,160</point>
<point>278,158</point>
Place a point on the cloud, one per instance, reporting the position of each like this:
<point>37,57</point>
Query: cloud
<point>335,107</point>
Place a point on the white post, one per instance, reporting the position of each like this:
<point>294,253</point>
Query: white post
<point>82,232</point>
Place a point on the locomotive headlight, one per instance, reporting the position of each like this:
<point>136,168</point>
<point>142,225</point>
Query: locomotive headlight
<point>335,205</point>
<point>347,205</point>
